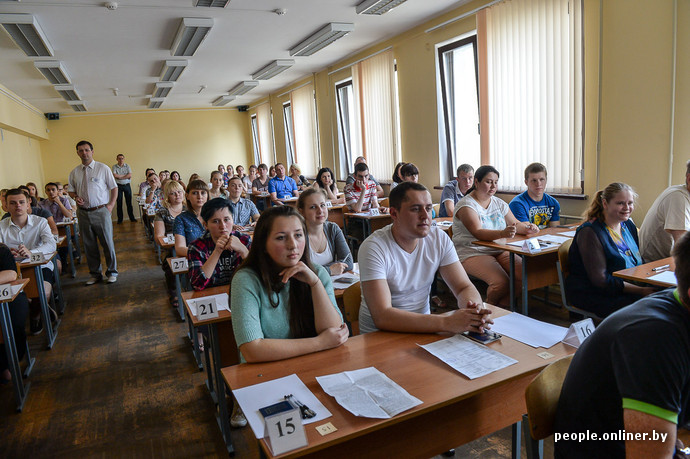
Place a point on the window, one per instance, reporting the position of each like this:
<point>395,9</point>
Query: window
<point>347,134</point>
<point>529,68</point>
<point>255,140</point>
<point>304,128</point>
<point>264,122</point>
<point>287,123</point>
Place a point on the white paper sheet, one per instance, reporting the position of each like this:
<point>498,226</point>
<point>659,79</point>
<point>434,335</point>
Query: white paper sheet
<point>344,280</point>
<point>469,358</point>
<point>665,276</point>
<point>567,233</point>
<point>529,331</point>
<point>15,288</point>
<point>368,393</point>
<point>252,398</point>
<point>555,239</point>
<point>222,302</point>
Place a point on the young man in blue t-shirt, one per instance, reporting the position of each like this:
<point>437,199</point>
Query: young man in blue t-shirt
<point>533,205</point>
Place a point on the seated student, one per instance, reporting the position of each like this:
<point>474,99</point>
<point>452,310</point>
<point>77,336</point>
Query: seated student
<point>281,187</point>
<point>3,201</point>
<point>143,186</point>
<point>192,178</point>
<point>605,243</point>
<point>351,178</point>
<point>282,304</point>
<point>217,189</point>
<point>154,194</point>
<point>189,226</point>
<point>260,183</point>
<point>327,244</point>
<point>174,175</point>
<point>33,191</point>
<point>397,177</point>
<point>533,205</point>
<point>325,180</point>
<point>214,257</point>
<point>296,175</point>
<point>409,173</point>
<point>271,172</point>
<point>398,264</point>
<point>631,377</point>
<point>481,215</point>
<point>19,309</point>
<point>24,233</point>
<point>360,195</point>
<point>58,206</point>
<point>62,192</point>
<point>164,175</point>
<point>248,179</point>
<point>244,212</point>
<point>35,209</point>
<point>229,172</point>
<point>456,189</point>
<point>163,222</point>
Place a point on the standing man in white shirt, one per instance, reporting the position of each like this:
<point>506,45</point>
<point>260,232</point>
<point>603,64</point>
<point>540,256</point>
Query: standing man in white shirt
<point>123,177</point>
<point>93,187</point>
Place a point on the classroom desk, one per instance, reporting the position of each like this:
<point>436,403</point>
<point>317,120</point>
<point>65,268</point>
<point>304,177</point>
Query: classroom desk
<point>447,228</point>
<point>370,223</point>
<point>159,242</point>
<point>223,353</point>
<point>66,227</point>
<point>178,285</point>
<point>455,410</point>
<point>265,197</point>
<point>21,390</point>
<point>335,214</point>
<point>542,265</point>
<point>33,271</point>
<point>641,273</point>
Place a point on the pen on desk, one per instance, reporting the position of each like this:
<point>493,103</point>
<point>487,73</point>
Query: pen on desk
<point>661,268</point>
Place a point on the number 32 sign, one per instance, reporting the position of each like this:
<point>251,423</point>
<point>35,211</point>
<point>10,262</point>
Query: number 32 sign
<point>285,431</point>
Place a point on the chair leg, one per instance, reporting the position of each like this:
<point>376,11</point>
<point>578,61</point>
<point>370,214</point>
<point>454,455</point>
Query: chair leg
<point>516,440</point>
<point>535,448</point>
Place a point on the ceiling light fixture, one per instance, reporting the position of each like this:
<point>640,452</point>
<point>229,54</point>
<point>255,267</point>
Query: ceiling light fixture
<point>273,69</point>
<point>67,92</point>
<point>322,38</point>
<point>243,88</point>
<point>53,71</point>
<point>223,100</point>
<point>156,102</point>
<point>190,34</point>
<point>211,3</point>
<point>77,105</point>
<point>162,89</point>
<point>172,69</point>
<point>377,6</point>
<point>27,34</point>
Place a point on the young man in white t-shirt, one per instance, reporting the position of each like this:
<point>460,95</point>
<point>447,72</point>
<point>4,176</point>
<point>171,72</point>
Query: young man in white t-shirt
<point>398,265</point>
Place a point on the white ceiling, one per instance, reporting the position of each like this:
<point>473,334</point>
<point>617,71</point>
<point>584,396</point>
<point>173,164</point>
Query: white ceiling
<point>125,48</point>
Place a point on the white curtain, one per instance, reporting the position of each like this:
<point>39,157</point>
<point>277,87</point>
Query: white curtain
<point>535,90</point>
<point>304,129</point>
<point>263,118</point>
<point>373,82</point>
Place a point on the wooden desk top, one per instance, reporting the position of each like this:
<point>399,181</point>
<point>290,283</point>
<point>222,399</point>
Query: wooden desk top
<point>65,223</point>
<point>28,264</point>
<point>521,237</point>
<point>223,315</point>
<point>163,244</point>
<point>643,272</point>
<point>401,359</point>
<point>366,217</point>
<point>21,282</point>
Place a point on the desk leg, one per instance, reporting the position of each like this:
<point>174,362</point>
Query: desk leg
<point>512,281</point>
<point>534,448</point>
<point>158,252</point>
<point>525,292</point>
<point>223,418</point>
<point>20,389</point>
<point>73,268</point>
<point>178,293</point>
<point>77,243</point>
<point>516,430</point>
<point>51,333</point>
<point>209,372</point>
<point>57,292</point>
<point>195,345</point>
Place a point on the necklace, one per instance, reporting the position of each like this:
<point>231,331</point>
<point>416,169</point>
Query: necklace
<point>318,242</point>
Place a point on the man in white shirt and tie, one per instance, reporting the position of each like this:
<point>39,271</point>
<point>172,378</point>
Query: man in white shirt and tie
<point>93,187</point>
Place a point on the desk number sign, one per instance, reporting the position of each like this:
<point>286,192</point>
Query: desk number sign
<point>179,265</point>
<point>206,308</point>
<point>531,245</point>
<point>169,239</point>
<point>374,212</point>
<point>5,292</point>
<point>37,257</point>
<point>285,431</point>
<point>579,332</point>
<point>329,204</point>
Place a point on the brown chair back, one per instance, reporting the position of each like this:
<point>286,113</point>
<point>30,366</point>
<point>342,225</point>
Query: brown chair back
<point>563,257</point>
<point>541,398</point>
<point>352,299</point>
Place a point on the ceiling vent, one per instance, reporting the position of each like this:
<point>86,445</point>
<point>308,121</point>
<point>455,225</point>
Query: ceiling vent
<point>377,6</point>
<point>77,105</point>
<point>156,102</point>
<point>53,71</point>
<point>211,3</point>
<point>172,69</point>
<point>223,100</point>
<point>190,34</point>
<point>273,69</point>
<point>27,34</point>
<point>162,89</point>
<point>67,92</point>
<point>243,88</point>
<point>322,38</point>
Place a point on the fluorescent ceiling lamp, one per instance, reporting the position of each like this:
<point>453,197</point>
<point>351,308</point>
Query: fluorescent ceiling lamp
<point>156,102</point>
<point>243,88</point>
<point>322,38</point>
<point>27,34</point>
<point>273,69</point>
<point>53,71</point>
<point>377,6</point>
<point>223,100</point>
<point>77,105</point>
<point>212,3</point>
<point>172,69</point>
<point>163,89</point>
<point>190,34</point>
<point>67,91</point>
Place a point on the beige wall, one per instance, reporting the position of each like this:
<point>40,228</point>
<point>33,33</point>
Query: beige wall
<point>184,140</point>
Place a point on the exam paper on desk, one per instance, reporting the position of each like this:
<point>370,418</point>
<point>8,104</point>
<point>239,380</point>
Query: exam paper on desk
<point>665,276</point>
<point>222,302</point>
<point>469,358</point>
<point>530,331</point>
<point>368,393</point>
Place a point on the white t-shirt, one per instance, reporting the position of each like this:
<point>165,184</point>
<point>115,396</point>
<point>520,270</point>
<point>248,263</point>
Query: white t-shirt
<point>322,258</point>
<point>670,211</point>
<point>409,275</point>
<point>493,218</point>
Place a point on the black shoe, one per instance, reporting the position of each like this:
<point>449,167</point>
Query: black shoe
<point>449,453</point>
<point>36,326</point>
<point>133,220</point>
<point>119,223</point>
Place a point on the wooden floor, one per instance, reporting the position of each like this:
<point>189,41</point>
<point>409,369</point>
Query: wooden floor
<point>121,380</point>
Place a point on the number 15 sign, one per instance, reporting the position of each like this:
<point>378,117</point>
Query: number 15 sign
<point>285,431</point>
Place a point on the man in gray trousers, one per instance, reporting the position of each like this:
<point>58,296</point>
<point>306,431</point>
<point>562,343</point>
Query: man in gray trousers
<point>93,187</point>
